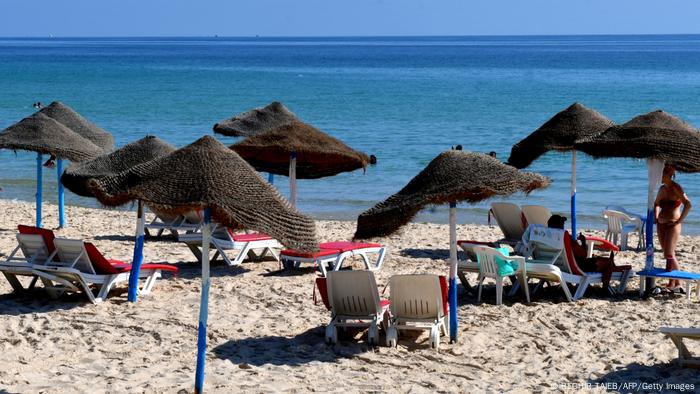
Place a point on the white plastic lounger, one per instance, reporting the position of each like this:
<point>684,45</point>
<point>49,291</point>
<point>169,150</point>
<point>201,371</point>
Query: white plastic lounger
<point>677,334</point>
<point>551,258</point>
<point>80,265</point>
<point>252,246</point>
<point>536,214</point>
<point>187,223</point>
<point>354,300</point>
<point>34,252</point>
<point>510,220</point>
<point>331,255</point>
<point>418,302</point>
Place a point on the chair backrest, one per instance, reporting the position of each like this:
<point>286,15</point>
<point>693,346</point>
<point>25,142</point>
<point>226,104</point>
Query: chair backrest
<point>509,219</point>
<point>71,253</point>
<point>99,262</point>
<point>417,296</point>
<point>553,245</point>
<point>46,234</point>
<point>353,293</point>
<point>486,256</point>
<point>33,248</point>
<point>616,220</point>
<point>536,214</point>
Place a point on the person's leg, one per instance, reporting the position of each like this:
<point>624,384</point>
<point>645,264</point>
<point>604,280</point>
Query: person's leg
<point>662,231</point>
<point>673,233</point>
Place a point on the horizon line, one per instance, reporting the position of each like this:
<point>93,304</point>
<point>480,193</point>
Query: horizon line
<point>257,36</point>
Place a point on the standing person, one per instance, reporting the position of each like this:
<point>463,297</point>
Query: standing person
<point>668,218</point>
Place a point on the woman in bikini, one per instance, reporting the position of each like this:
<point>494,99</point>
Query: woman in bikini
<point>668,218</point>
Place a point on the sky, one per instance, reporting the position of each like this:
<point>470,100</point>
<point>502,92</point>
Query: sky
<point>97,18</point>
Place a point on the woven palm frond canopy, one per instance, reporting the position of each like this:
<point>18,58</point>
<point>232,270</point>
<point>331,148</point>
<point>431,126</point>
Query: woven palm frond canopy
<point>451,177</point>
<point>318,154</point>
<point>42,134</point>
<point>574,124</point>
<point>255,121</point>
<point>71,119</point>
<point>208,174</point>
<point>657,135</point>
<point>76,177</point>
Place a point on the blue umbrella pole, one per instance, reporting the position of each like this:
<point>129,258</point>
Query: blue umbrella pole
<point>452,293</point>
<point>138,255</point>
<point>39,187</point>
<point>61,195</point>
<point>573,194</point>
<point>204,305</point>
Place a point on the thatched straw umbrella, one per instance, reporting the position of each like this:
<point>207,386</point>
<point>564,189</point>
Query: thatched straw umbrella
<point>574,124</point>
<point>300,151</point>
<point>207,175</point>
<point>77,177</point>
<point>44,135</point>
<point>256,121</point>
<point>658,137</point>
<point>71,119</point>
<point>450,177</point>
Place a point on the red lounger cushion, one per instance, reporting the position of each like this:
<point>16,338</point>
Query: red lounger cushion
<point>250,237</point>
<point>321,253</point>
<point>111,267</point>
<point>604,244</point>
<point>444,289</point>
<point>47,235</point>
<point>345,246</point>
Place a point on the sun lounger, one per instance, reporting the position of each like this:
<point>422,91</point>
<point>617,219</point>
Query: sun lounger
<point>187,223</point>
<point>34,245</point>
<point>688,277</point>
<point>354,300</point>
<point>80,265</point>
<point>223,239</point>
<point>677,334</point>
<point>418,302</point>
<point>550,258</point>
<point>331,255</point>
<point>510,220</point>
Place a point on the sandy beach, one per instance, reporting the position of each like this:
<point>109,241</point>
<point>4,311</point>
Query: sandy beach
<point>266,333</point>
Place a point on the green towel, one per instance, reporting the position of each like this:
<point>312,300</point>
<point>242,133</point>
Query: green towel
<point>505,267</point>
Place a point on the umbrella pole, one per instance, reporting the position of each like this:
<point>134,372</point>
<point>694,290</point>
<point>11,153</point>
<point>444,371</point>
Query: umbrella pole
<point>39,186</point>
<point>61,194</point>
<point>573,194</point>
<point>293,179</point>
<point>452,296</point>
<point>138,254</point>
<point>271,178</point>
<point>204,305</point>
<point>654,168</point>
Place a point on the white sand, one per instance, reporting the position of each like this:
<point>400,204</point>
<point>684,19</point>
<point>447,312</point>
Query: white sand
<point>266,334</point>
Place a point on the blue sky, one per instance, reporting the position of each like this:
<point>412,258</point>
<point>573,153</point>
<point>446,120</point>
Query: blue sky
<point>345,17</point>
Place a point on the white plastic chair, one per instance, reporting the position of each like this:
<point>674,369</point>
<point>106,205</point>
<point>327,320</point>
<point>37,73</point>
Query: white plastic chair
<point>620,226</point>
<point>488,268</point>
<point>536,214</point>
<point>417,304</point>
<point>355,302</point>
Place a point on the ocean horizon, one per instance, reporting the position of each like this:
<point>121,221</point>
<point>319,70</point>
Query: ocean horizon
<point>403,99</point>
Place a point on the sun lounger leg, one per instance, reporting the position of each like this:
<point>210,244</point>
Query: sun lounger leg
<point>581,290</point>
<point>567,293</point>
<point>465,282</point>
<point>14,282</point>
<point>525,286</point>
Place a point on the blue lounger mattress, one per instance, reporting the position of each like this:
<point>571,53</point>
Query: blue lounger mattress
<point>662,273</point>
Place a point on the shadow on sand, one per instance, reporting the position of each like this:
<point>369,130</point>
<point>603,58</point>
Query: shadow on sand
<point>38,301</point>
<point>668,378</point>
<point>298,350</point>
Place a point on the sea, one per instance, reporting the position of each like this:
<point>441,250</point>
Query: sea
<point>403,99</point>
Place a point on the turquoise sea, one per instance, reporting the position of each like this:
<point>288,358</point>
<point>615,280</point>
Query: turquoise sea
<point>404,99</point>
